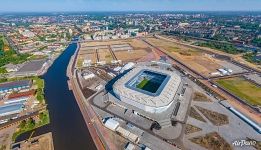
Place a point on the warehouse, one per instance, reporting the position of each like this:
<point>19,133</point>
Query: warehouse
<point>16,100</point>
<point>15,86</point>
<point>32,68</point>
<point>10,109</point>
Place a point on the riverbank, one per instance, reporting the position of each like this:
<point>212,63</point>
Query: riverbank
<point>66,121</point>
<point>85,110</point>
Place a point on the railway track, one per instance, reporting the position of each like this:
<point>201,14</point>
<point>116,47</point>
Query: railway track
<point>208,83</point>
<point>112,53</point>
<point>97,55</point>
<point>177,61</point>
<point>18,120</point>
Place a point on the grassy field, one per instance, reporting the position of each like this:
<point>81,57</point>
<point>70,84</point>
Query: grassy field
<point>148,85</point>
<point>243,89</point>
<point>142,83</point>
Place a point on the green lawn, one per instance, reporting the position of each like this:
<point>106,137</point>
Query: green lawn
<point>30,124</point>
<point>40,89</point>
<point>243,89</point>
<point>142,83</point>
<point>148,85</point>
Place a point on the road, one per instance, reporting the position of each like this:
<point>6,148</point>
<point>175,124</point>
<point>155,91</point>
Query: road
<point>150,135</point>
<point>236,102</point>
<point>85,110</point>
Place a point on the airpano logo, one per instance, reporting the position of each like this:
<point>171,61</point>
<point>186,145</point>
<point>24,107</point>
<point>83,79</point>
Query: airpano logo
<point>244,143</point>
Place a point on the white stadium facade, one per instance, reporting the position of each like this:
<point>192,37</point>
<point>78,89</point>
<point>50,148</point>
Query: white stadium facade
<point>147,88</point>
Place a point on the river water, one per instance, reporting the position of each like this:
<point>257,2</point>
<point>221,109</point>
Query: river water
<point>67,124</point>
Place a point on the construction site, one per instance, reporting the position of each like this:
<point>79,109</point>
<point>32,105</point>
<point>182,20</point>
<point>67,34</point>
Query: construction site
<point>204,62</point>
<point>212,112</point>
<point>111,52</point>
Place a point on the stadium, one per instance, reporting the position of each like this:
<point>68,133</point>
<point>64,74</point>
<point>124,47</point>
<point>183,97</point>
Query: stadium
<point>150,89</point>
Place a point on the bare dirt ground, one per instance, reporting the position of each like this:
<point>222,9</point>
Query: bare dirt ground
<point>91,57</point>
<point>235,57</point>
<point>96,43</point>
<point>42,142</point>
<point>130,55</point>
<point>200,67</point>
<point>200,97</point>
<point>6,137</point>
<point>212,141</point>
<point>194,58</point>
<point>191,129</point>
<point>105,55</point>
<point>140,50</point>
<point>194,114</point>
<point>216,118</point>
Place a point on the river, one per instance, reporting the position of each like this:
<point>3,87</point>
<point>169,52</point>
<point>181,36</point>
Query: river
<point>67,124</point>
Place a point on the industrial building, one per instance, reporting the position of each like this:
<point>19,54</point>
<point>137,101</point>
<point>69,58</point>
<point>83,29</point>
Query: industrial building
<point>16,100</point>
<point>31,68</point>
<point>15,86</point>
<point>150,89</point>
<point>22,94</point>
<point>115,126</point>
<point>10,109</point>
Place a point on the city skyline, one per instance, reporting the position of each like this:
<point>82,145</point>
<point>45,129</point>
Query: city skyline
<point>129,5</point>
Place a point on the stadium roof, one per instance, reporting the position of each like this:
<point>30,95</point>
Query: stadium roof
<point>165,97</point>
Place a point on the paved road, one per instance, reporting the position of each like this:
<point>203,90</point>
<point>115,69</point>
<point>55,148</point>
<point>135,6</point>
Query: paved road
<point>149,135</point>
<point>234,130</point>
<point>77,93</point>
<point>236,102</point>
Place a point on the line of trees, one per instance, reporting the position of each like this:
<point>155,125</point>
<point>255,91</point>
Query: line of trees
<point>257,42</point>
<point>251,57</point>
<point>225,47</point>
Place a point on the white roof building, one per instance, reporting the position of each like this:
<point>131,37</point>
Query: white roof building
<point>158,101</point>
<point>128,66</point>
<point>112,124</point>
<point>11,67</point>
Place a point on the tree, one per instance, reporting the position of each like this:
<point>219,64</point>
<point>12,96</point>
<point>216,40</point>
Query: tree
<point>3,70</point>
<point>31,123</point>
<point>22,124</point>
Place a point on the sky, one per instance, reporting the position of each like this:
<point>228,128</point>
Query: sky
<point>128,5</point>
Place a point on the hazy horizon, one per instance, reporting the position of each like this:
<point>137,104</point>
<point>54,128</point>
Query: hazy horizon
<point>128,5</point>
